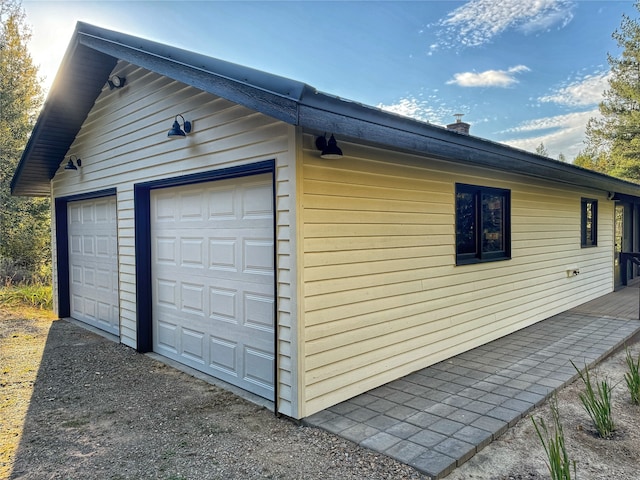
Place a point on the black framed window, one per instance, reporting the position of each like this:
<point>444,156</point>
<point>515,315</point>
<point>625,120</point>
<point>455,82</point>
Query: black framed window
<point>483,224</point>
<point>589,223</point>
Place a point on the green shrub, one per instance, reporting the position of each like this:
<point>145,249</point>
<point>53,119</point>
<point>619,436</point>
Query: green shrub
<point>554,446</point>
<point>632,377</point>
<point>597,403</point>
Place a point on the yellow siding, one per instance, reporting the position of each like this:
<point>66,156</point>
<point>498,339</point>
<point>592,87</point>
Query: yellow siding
<point>381,295</point>
<point>124,141</point>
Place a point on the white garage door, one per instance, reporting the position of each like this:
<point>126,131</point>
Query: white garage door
<point>213,279</point>
<point>93,263</point>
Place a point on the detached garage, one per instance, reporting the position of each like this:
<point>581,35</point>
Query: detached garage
<point>302,247</point>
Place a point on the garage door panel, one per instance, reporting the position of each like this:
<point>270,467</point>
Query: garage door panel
<point>74,214</point>
<point>87,212</point>
<point>89,308</point>
<point>213,271</point>
<point>104,313</point>
<point>165,250</point>
<point>77,307</point>
<point>257,201</point>
<point>93,263</point>
<point>89,278</point>
<point>258,366</point>
<point>166,293</point>
<point>103,214</point>
<point>258,256</point>
<point>258,311</point>
<point>193,252</point>
<point>222,254</point>
<point>192,298</point>
<point>222,304</point>
<point>103,244</point>
<point>166,336</point>
<point>191,207</point>
<point>104,278</point>
<point>193,345</point>
<point>223,355</point>
<point>165,210</point>
<point>75,244</point>
<point>87,245</point>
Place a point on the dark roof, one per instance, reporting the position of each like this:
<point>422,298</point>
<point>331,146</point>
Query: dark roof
<point>94,51</point>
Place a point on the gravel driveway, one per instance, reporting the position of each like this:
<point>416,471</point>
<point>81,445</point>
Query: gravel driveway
<point>99,410</point>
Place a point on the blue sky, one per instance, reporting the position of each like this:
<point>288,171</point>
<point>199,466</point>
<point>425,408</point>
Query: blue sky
<point>521,71</point>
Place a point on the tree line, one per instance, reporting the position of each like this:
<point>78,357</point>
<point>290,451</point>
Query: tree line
<point>25,246</point>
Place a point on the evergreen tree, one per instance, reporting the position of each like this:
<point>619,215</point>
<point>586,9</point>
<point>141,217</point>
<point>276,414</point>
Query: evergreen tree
<point>24,222</point>
<point>613,141</point>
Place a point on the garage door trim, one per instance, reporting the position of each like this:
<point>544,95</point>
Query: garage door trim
<point>62,244</point>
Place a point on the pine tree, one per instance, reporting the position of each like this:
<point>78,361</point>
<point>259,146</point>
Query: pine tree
<point>24,222</point>
<point>613,141</point>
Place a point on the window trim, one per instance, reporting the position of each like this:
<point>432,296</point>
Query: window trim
<point>479,256</point>
<point>585,241</point>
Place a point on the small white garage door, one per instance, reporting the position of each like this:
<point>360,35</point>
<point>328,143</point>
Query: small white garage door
<point>93,263</point>
<point>213,279</point>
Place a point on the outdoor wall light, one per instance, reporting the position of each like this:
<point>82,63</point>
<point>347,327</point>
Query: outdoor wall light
<point>70,165</point>
<point>176,131</point>
<point>330,149</point>
<point>116,82</point>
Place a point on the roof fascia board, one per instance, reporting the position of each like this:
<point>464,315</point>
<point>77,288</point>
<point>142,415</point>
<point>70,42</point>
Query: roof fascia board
<point>273,104</point>
<point>439,143</point>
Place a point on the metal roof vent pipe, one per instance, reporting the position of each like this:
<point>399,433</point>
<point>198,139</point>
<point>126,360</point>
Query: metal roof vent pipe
<point>459,126</point>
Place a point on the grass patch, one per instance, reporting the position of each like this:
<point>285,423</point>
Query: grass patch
<point>597,402</point>
<point>632,377</point>
<point>558,461</point>
<point>33,295</point>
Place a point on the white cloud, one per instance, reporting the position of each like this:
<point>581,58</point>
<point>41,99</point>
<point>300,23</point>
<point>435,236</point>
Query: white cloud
<point>585,91</point>
<point>430,110</point>
<point>560,134</point>
<point>478,21</point>
<point>488,78</point>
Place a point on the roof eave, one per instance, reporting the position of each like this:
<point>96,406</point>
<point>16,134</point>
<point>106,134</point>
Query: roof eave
<point>324,113</point>
<point>287,100</point>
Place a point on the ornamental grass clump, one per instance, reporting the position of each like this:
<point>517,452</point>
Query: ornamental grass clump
<point>632,377</point>
<point>31,295</point>
<point>597,403</point>
<point>558,461</point>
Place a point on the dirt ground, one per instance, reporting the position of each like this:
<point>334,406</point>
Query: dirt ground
<point>74,405</point>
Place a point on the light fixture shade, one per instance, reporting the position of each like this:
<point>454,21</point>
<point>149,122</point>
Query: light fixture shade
<point>176,131</point>
<point>70,165</point>
<point>331,151</point>
<point>116,81</point>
